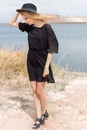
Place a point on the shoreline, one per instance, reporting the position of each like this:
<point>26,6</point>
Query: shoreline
<point>17,104</point>
<point>13,63</point>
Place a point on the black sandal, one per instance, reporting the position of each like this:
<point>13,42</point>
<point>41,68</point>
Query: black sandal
<point>37,123</point>
<point>43,117</point>
<point>46,115</point>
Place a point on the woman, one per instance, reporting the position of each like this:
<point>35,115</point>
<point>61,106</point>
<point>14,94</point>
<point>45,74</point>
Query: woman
<point>42,44</point>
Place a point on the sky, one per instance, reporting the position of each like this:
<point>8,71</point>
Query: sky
<point>60,7</point>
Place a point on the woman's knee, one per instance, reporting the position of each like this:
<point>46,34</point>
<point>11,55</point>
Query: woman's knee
<point>40,89</point>
<point>34,90</point>
<point>34,87</point>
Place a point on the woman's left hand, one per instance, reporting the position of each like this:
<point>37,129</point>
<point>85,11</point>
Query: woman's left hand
<point>46,72</point>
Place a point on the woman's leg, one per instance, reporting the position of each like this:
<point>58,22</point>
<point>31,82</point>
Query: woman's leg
<point>36,99</point>
<point>39,98</point>
<point>41,95</point>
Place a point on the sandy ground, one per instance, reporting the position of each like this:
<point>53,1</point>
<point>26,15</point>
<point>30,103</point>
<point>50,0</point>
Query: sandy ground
<point>67,109</point>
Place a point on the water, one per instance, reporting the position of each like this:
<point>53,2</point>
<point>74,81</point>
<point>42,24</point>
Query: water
<point>12,37</point>
<point>72,44</point>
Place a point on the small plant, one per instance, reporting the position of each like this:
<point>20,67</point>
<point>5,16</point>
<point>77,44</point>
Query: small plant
<point>12,63</point>
<point>62,87</point>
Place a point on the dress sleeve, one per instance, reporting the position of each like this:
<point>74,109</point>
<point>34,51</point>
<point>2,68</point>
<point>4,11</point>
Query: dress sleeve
<point>53,44</point>
<point>25,27</point>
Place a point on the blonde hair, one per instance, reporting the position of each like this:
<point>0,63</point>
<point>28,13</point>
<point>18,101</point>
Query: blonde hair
<point>37,16</point>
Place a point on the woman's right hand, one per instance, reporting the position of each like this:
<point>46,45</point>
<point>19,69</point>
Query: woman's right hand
<point>13,20</point>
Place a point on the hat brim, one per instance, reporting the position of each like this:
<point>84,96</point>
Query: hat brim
<point>25,10</point>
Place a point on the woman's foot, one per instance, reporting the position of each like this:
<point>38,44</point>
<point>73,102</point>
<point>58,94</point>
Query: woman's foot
<point>46,115</point>
<point>37,123</point>
<point>41,121</point>
<point>43,117</point>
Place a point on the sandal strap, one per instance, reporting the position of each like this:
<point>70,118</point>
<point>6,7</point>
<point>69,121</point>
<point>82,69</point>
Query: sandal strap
<point>37,123</point>
<point>46,115</point>
<point>42,117</point>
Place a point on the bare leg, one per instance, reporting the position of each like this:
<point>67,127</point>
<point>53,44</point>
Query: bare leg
<point>41,95</point>
<point>36,99</point>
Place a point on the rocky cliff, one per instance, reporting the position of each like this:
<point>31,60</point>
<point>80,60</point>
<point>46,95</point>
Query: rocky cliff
<point>68,19</point>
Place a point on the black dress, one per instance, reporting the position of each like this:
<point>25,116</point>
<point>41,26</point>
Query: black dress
<point>42,40</point>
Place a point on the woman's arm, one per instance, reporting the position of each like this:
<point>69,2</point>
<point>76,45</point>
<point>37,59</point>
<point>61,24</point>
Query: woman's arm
<point>48,61</point>
<point>13,21</point>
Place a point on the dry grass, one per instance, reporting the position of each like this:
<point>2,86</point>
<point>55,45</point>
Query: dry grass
<point>13,65</point>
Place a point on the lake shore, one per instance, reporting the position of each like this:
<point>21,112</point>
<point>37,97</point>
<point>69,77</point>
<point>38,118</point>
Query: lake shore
<point>66,99</point>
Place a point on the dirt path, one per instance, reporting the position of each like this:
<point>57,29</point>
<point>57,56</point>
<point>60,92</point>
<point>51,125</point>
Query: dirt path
<point>67,109</point>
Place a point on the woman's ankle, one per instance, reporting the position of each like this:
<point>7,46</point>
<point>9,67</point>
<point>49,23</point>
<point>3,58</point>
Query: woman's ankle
<point>44,111</point>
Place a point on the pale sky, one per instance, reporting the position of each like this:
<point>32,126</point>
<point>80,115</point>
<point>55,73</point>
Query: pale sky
<point>60,7</point>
